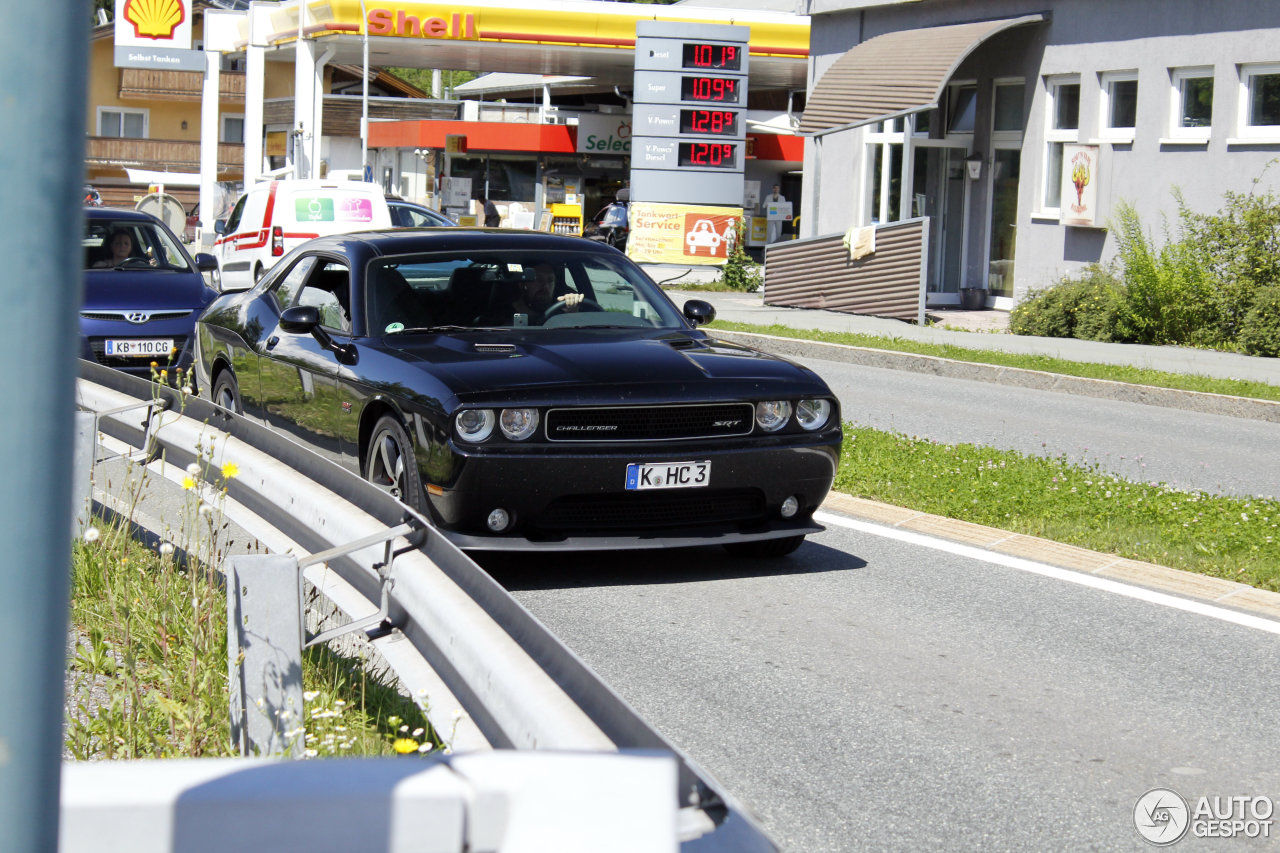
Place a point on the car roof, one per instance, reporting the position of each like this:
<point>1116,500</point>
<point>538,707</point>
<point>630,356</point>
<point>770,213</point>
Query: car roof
<point>399,241</point>
<point>119,213</point>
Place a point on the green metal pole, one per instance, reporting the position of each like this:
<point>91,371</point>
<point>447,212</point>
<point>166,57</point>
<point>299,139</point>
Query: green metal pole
<point>43,59</point>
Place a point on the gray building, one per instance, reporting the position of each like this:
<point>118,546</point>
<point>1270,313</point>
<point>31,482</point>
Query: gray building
<point>1001,134</point>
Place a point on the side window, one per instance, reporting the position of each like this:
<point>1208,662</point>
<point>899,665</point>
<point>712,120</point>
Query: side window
<point>608,288</point>
<point>288,286</point>
<point>233,221</point>
<point>328,289</point>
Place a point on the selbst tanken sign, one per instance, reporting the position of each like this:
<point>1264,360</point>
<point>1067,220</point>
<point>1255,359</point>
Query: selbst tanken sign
<point>155,34</point>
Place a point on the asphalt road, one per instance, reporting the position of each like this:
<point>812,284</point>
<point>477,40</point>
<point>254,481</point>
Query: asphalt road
<point>870,694</point>
<point>1187,450</point>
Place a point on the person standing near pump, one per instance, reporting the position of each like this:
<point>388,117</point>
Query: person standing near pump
<point>491,216</point>
<point>775,224</point>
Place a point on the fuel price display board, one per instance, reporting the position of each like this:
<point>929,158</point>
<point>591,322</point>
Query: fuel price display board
<point>689,113</point>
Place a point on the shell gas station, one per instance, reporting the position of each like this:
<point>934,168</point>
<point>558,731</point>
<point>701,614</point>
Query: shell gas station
<point>567,116</point>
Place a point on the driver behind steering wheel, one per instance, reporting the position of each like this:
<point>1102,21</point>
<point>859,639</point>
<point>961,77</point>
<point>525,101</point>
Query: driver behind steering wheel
<point>537,295</point>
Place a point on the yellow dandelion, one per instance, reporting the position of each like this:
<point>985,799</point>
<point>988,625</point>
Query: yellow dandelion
<point>229,470</point>
<point>405,746</point>
<point>188,483</point>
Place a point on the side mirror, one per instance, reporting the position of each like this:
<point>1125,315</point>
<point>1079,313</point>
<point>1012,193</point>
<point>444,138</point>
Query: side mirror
<point>220,226</point>
<point>206,262</point>
<point>698,312</point>
<point>300,319</point>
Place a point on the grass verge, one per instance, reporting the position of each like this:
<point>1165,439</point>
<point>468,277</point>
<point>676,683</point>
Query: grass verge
<point>1232,538</point>
<point>1115,373</point>
<point>147,673</point>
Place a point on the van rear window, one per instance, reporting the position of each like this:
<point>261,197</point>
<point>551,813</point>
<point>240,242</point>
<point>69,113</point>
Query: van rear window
<point>337,207</point>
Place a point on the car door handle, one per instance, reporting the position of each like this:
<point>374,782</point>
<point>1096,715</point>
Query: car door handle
<point>272,341</point>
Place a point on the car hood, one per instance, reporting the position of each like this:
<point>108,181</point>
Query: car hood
<point>144,290</point>
<point>602,364</point>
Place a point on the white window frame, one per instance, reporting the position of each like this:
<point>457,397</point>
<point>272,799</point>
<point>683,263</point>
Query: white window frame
<point>882,135</point>
<point>1244,130</point>
<point>1055,136</point>
<point>1178,78</point>
<point>123,111</point>
<point>1106,89</point>
<point>996,85</point>
<point>222,127</point>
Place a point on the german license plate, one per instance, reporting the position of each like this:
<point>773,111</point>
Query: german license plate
<point>138,348</point>
<point>668,475</point>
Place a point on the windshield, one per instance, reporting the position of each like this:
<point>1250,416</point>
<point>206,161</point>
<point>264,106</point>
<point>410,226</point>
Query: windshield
<point>131,244</point>
<point>508,289</point>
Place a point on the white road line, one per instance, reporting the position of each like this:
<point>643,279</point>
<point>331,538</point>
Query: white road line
<point>1083,579</point>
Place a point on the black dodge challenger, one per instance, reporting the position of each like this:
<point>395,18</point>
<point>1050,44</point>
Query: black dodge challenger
<point>526,391</point>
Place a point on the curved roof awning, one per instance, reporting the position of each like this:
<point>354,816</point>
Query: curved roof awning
<point>895,74</point>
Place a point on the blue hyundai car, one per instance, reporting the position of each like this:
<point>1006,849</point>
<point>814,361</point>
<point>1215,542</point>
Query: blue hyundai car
<point>142,294</point>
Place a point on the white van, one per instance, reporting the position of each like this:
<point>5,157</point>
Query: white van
<point>274,217</point>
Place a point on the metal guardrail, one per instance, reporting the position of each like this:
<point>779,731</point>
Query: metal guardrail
<point>520,685</point>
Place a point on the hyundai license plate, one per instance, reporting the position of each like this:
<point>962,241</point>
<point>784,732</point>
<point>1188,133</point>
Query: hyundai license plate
<point>668,475</point>
<point>138,348</point>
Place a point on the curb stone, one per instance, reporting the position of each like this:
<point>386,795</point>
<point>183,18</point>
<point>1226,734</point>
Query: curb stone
<point>1217,591</point>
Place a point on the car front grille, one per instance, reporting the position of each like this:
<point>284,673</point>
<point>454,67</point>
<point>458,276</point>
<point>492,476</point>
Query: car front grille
<point>650,423</point>
<point>625,512</point>
<point>152,316</point>
<point>98,346</point>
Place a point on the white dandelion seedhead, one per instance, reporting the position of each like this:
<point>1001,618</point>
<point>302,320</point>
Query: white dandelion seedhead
<point>166,549</point>
<point>193,470</point>
<point>92,534</point>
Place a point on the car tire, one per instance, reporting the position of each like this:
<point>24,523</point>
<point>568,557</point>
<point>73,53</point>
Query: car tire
<point>226,392</point>
<point>390,463</point>
<point>765,549</point>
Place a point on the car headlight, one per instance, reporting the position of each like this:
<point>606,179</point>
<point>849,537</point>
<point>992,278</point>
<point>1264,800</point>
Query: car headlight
<point>474,425</point>
<point>772,415</point>
<point>813,414</point>
<point>518,424</point>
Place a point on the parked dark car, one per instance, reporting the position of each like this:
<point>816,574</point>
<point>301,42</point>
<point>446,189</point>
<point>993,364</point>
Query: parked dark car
<point>591,414</point>
<point>610,225</point>
<point>142,293</point>
<point>406,214</point>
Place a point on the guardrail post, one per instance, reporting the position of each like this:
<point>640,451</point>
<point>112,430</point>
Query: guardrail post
<point>264,654</point>
<point>83,452</point>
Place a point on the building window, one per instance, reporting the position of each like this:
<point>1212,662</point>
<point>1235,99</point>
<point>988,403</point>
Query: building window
<point>884,174</point>
<point>1062,108</point>
<point>1119,104</point>
<point>121,123</point>
<point>962,106</point>
<point>1260,100</point>
<point>1192,105</point>
<point>232,128</point>
<point>1008,100</point>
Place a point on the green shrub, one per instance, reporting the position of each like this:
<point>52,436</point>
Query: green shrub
<point>1260,329</point>
<point>1168,298</point>
<point>740,272</point>
<point>1087,307</point>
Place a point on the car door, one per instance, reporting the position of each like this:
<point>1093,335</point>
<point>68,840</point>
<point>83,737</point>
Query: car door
<point>297,376</point>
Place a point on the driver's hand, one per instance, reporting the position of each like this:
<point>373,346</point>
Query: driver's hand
<point>570,301</point>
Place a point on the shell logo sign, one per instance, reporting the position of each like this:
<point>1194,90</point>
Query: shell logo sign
<point>154,25</point>
<point>154,19</point>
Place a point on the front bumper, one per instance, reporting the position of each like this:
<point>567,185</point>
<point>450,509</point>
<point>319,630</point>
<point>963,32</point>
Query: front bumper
<point>575,499</point>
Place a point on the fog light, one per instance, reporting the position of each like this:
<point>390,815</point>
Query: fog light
<point>498,520</point>
<point>790,507</point>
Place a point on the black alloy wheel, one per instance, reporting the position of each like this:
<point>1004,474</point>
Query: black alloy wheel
<point>226,393</point>
<point>390,464</point>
